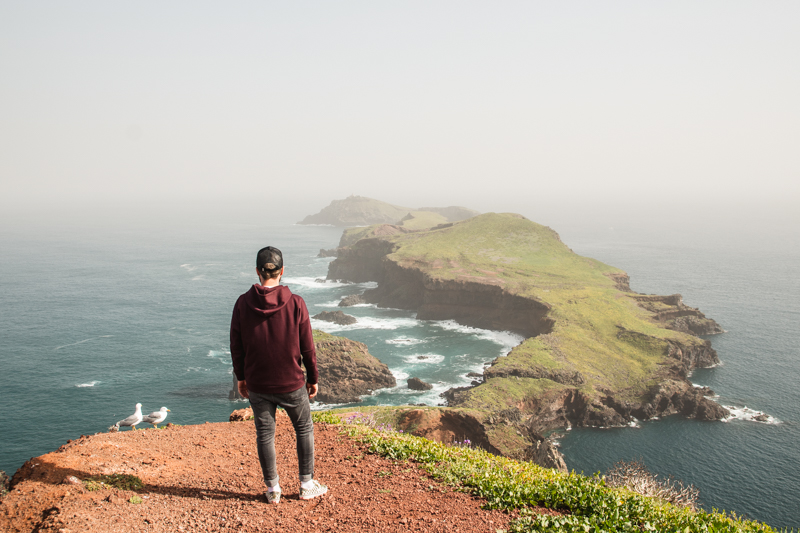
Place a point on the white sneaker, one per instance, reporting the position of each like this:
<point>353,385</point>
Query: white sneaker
<point>317,490</point>
<point>273,496</point>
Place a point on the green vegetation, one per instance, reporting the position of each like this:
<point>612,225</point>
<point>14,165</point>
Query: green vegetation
<point>587,503</point>
<point>589,311</point>
<point>135,499</point>
<point>113,481</point>
<point>417,220</point>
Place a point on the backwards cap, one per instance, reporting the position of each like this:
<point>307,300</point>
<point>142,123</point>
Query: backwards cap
<point>269,260</point>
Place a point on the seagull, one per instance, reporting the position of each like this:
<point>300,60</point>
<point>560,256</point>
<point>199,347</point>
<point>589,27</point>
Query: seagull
<point>135,418</point>
<point>156,417</point>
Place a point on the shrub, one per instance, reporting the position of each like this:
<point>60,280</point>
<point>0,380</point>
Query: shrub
<point>635,477</point>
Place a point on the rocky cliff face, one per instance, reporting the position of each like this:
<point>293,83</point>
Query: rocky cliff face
<point>476,304</point>
<point>347,371</point>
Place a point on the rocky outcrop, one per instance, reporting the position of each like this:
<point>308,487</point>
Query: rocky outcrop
<point>337,317</point>
<point>332,252</point>
<point>418,384</point>
<point>353,299</point>
<point>670,312</point>
<point>241,415</point>
<point>347,370</point>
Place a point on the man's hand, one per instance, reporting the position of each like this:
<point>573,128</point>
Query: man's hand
<point>312,390</point>
<point>242,386</point>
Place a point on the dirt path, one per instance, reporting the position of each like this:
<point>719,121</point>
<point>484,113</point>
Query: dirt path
<point>207,478</point>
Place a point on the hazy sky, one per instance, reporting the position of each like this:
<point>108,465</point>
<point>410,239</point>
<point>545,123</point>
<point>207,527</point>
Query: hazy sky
<point>484,104</point>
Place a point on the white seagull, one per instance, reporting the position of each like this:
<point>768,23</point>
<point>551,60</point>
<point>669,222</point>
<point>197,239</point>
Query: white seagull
<point>135,418</point>
<point>156,417</point>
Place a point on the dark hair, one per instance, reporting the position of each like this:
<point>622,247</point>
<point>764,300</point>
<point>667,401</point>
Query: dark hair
<point>269,262</point>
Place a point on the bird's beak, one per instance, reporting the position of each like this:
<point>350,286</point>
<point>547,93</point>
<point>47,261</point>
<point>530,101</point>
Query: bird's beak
<point>169,410</point>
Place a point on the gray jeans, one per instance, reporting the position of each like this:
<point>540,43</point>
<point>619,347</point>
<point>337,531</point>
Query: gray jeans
<point>299,411</point>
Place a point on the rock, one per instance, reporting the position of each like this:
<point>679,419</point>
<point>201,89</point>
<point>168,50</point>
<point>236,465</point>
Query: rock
<point>347,370</point>
<point>418,384</point>
<point>72,480</point>
<point>544,453</point>
<point>337,317</point>
<point>474,375</point>
<point>353,299</point>
<point>761,418</point>
<point>241,415</point>
<point>333,252</point>
<point>5,482</point>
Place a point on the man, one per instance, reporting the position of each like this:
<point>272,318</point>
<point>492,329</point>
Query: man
<point>270,336</point>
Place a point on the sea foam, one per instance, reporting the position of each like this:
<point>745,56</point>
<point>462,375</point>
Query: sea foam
<point>90,384</point>
<point>751,415</point>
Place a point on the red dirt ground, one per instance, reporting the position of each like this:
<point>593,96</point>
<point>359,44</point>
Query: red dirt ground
<point>207,478</point>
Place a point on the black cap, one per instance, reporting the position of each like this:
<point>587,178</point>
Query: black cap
<point>269,260</point>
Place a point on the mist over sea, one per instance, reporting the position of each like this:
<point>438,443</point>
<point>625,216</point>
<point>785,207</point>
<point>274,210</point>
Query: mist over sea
<point>98,317</point>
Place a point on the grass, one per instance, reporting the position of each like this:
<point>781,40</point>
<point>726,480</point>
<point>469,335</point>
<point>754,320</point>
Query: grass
<point>113,481</point>
<point>529,260</point>
<point>587,503</point>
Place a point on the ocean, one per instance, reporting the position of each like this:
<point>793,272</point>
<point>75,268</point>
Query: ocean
<point>97,318</point>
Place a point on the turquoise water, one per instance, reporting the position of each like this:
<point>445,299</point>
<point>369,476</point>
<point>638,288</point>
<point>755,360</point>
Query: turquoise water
<point>95,320</point>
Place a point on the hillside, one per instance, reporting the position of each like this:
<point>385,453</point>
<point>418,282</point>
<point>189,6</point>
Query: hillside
<point>363,211</point>
<point>207,478</point>
<point>595,354</point>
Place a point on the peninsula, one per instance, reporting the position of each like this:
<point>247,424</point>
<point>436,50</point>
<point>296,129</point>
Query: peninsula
<point>595,353</point>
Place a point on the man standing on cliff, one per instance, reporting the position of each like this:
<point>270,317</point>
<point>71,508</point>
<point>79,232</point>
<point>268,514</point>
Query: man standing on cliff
<point>270,338</point>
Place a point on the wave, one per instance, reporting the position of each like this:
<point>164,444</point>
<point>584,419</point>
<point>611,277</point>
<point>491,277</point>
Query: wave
<point>188,267</point>
<point>196,369</point>
<point>90,384</point>
<point>365,323</point>
<point>405,341</point>
<point>506,339</point>
<point>750,415</point>
<point>335,304</point>
<point>218,353</point>
<point>424,358</point>
<point>308,282</point>
<point>83,341</point>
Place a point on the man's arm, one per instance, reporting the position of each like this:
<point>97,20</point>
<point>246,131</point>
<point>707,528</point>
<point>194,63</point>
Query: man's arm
<point>308,351</point>
<point>237,347</point>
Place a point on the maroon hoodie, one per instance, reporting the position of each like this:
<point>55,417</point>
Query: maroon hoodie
<point>270,338</point>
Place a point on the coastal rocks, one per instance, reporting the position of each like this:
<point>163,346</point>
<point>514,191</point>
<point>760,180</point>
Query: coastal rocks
<point>240,415</point>
<point>446,425</point>
<point>679,397</point>
<point>418,384</point>
<point>347,370</point>
<point>5,482</point>
<point>670,312</point>
<point>333,252</point>
<point>337,317</point>
<point>353,299</point>
<point>544,453</point>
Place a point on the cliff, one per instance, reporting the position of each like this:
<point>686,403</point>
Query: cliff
<point>207,478</point>
<point>595,354</point>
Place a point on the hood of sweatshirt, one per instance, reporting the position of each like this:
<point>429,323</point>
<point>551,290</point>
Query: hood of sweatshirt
<point>267,300</point>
